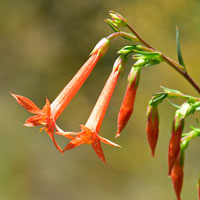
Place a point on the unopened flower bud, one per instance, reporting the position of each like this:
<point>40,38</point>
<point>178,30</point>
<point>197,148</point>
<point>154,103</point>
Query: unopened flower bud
<point>152,127</point>
<point>177,176</point>
<point>175,141</point>
<point>129,99</point>
<point>117,19</point>
<point>101,47</point>
<point>120,63</point>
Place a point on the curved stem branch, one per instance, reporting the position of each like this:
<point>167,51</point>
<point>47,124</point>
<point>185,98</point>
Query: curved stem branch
<point>180,69</point>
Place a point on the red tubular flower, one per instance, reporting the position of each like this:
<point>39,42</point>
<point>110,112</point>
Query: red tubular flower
<point>129,99</point>
<point>177,176</point>
<point>60,103</point>
<point>50,113</point>
<point>89,133</point>
<point>152,127</point>
<point>174,144</point>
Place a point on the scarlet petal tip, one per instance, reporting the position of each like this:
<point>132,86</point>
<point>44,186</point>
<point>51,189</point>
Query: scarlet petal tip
<point>153,154</point>
<point>117,134</point>
<point>28,125</point>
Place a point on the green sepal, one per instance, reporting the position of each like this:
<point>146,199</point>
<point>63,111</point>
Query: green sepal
<point>140,63</point>
<point>184,144</point>
<point>186,137</point>
<point>151,58</point>
<point>178,121</point>
<point>101,47</point>
<point>147,54</point>
<point>112,26</point>
<point>182,157</point>
<point>153,109</point>
<point>180,57</point>
<point>185,110</point>
<point>176,93</point>
<point>134,76</point>
<point>196,130</point>
<point>133,48</point>
<point>120,63</point>
<point>157,99</point>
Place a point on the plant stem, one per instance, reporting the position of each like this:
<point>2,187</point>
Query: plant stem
<point>180,69</point>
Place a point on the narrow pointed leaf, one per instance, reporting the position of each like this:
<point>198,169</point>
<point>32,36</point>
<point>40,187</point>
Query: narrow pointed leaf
<point>180,57</point>
<point>172,92</point>
<point>173,104</point>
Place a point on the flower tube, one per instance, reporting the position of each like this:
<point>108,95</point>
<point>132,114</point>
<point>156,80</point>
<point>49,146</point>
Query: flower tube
<point>90,131</point>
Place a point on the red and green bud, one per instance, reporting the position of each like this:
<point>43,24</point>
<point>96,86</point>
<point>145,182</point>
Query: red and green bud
<point>117,19</point>
<point>101,47</point>
<point>129,99</point>
<point>177,175</point>
<point>152,127</point>
<point>175,142</point>
<point>120,63</point>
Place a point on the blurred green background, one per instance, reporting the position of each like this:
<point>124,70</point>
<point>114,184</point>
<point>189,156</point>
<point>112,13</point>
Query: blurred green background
<point>42,45</point>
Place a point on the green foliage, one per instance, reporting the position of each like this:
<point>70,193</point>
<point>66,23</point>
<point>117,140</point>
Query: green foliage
<point>179,53</point>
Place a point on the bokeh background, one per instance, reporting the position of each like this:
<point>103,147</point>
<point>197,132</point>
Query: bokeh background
<point>42,44</point>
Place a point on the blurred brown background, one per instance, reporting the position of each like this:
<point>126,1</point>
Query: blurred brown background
<point>42,44</point>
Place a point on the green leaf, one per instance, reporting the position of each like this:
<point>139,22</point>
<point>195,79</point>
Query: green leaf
<point>112,26</point>
<point>172,92</point>
<point>180,57</point>
<point>173,104</point>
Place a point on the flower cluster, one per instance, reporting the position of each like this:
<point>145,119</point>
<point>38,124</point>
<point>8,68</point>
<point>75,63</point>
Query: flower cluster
<point>144,56</point>
<point>89,134</point>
